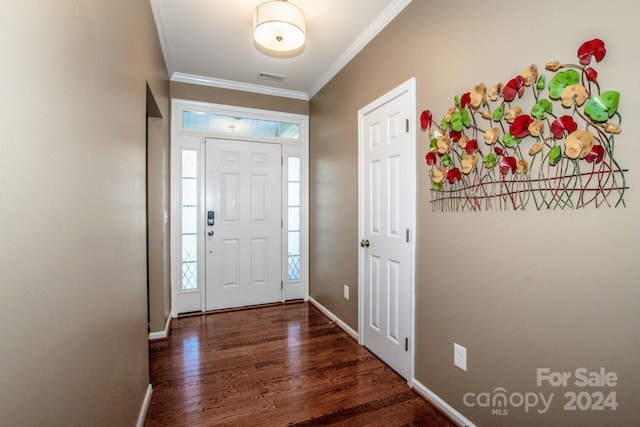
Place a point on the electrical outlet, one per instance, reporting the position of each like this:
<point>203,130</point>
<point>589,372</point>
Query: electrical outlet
<point>460,356</point>
<point>346,292</point>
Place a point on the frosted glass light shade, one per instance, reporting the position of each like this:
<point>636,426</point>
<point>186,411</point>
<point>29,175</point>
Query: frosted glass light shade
<point>279,26</point>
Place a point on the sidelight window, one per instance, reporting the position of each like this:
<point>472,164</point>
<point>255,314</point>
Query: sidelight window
<point>294,218</point>
<point>189,217</point>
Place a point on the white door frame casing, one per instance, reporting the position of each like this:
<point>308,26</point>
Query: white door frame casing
<point>410,87</point>
<point>290,148</point>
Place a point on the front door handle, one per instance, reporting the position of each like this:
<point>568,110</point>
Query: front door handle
<point>364,243</point>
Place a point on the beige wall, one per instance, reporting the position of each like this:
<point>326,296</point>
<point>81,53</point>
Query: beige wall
<point>72,188</point>
<point>521,290</point>
<point>158,229</point>
<point>236,98</point>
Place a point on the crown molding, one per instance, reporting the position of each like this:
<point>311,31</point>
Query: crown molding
<point>372,30</point>
<point>158,13</point>
<point>390,12</point>
<point>233,85</point>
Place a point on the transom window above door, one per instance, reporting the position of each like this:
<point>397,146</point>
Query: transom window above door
<point>239,126</point>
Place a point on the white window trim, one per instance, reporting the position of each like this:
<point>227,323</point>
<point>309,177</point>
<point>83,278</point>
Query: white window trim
<point>290,147</point>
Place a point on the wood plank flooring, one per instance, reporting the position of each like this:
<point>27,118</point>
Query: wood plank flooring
<point>275,366</point>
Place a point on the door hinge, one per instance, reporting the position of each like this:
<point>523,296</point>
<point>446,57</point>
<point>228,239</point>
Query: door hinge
<point>406,344</point>
<point>407,125</point>
<point>281,160</point>
<point>281,285</point>
<point>406,235</point>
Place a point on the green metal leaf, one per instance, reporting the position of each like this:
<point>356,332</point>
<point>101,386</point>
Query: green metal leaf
<point>562,80</point>
<point>600,108</point>
<point>444,125</point>
<point>433,146</point>
<point>510,140</point>
<point>542,81</point>
<point>466,118</point>
<point>498,113</point>
<point>541,108</point>
<point>456,121</point>
<point>555,155</point>
<point>437,186</point>
<point>489,160</point>
<point>456,100</point>
<point>446,160</point>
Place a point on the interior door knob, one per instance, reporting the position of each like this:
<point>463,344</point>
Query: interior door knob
<point>210,232</point>
<point>364,243</point>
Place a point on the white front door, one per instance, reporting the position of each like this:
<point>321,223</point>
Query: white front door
<point>386,223</point>
<point>243,246</point>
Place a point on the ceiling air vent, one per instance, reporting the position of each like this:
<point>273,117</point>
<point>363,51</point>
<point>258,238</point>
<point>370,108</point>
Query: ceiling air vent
<point>272,77</point>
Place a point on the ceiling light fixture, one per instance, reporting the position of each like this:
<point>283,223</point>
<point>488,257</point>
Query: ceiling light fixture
<point>279,26</point>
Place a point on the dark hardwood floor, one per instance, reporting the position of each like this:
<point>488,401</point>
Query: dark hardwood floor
<point>275,366</point>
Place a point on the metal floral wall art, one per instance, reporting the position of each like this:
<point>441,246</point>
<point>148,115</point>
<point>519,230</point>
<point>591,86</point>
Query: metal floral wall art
<point>539,140</point>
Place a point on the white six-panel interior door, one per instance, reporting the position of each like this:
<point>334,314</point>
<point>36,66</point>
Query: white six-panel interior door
<point>243,246</point>
<point>386,224</point>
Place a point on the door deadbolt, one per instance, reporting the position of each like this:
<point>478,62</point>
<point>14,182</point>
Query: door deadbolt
<point>364,243</point>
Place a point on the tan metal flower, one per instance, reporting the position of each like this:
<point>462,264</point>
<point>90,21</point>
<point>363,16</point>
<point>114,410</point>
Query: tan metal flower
<point>571,93</point>
<point>536,127</point>
<point>491,136</point>
<point>553,65</point>
<point>611,128</point>
<point>522,166</point>
<point>444,144</point>
<point>578,144</point>
<point>462,142</point>
<point>478,95</point>
<point>486,114</point>
<point>530,74</point>
<point>449,114</point>
<point>536,148</point>
<point>512,113</point>
<point>496,92</point>
<point>439,174</point>
<point>469,163</point>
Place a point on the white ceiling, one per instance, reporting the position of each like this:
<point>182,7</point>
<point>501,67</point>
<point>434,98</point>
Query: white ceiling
<point>210,42</point>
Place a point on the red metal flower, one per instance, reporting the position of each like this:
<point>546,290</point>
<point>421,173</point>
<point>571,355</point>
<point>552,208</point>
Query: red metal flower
<point>455,135</point>
<point>472,146</point>
<point>561,124</point>
<point>431,158</point>
<point>591,48</point>
<point>499,151</point>
<point>425,119</point>
<point>465,100</point>
<point>592,74</point>
<point>508,164</point>
<point>520,126</point>
<point>454,175</point>
<point>596,155</point>
<point>513,87</point>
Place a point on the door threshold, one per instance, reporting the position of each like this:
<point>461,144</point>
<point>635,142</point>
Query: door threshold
<point>247,307</point>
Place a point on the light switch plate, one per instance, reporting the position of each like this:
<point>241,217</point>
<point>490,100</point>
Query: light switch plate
<point>460,356</point>
<point>346,292</point>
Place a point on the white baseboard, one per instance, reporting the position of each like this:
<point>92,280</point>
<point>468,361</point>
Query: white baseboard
<point>161,334</point>
<point>334,318</point>
<point>145,407</point>
<point>443,406</point>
